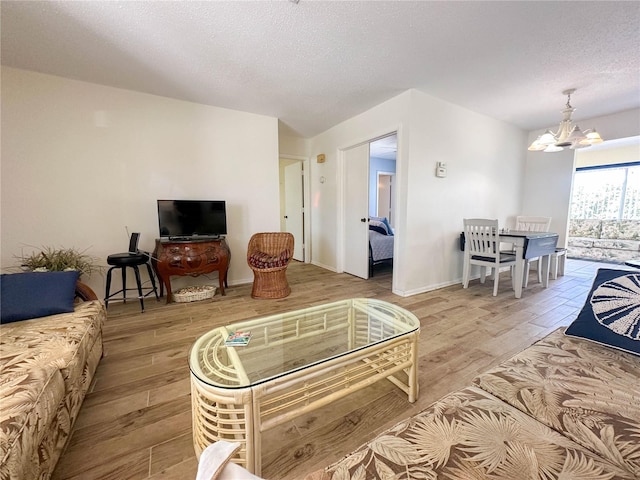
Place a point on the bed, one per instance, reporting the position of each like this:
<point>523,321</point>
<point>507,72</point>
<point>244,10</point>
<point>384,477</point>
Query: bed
<point>380,243</point>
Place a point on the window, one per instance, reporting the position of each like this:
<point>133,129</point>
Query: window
<point>606,193</point>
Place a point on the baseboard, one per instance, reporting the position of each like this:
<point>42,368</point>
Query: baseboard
<point>428,288</point>
<point>326,267</point>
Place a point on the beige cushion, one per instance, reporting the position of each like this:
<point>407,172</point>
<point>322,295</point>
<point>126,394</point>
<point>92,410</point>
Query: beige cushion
<point>588,392</point>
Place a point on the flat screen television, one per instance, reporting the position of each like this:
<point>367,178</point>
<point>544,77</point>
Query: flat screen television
<point>187,219</point>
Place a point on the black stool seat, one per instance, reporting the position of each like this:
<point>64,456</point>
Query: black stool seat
<point>130,260</point>
<point>127,259</point>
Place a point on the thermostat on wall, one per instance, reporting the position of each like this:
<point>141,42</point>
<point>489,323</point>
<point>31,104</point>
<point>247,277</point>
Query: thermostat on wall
<point>441,169</point>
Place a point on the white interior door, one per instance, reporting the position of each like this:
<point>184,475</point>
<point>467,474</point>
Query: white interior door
<point>356,211</point>
<point>294,207</point>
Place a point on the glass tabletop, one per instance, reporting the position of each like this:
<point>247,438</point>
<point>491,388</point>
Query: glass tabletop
<point>288,342</point>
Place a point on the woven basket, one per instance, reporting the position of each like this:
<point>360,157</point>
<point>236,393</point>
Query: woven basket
<point>193,294</point>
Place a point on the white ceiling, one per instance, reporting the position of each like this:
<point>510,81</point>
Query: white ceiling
<point>385,148</point>
<point>317,63</point>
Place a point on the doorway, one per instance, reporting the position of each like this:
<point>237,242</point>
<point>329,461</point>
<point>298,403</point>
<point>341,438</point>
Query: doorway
<point>368,177</point>
<point>293,198</point>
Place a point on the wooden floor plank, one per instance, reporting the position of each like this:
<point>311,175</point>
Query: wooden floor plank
<point>128,466</point>
<point>172,452</point>
<point>136,422</point>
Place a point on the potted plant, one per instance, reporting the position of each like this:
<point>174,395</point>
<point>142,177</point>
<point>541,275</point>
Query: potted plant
<point>50,259</point>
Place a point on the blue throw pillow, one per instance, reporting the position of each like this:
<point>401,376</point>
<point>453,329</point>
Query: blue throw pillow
<point>386,224</point>
<point>36,294</point>
<point>611,314</point>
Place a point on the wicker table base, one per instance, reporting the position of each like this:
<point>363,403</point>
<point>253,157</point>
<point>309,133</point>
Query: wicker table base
<point>383,343</point>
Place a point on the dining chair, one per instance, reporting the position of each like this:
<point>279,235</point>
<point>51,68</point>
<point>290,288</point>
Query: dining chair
<point>482,248</point>
<point>532,224</point>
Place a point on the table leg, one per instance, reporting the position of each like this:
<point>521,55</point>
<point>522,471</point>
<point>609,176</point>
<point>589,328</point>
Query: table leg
<point>161,286</point>
<point>412,374</point>
<point>519,270</point>
<point>167,284</point>
<point>254,437</point>
<point>222,278</point>
<point>545,263</point>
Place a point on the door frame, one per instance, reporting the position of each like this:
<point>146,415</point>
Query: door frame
<point>341,186</point>
<point>306,197</point>
<point>393,207</point>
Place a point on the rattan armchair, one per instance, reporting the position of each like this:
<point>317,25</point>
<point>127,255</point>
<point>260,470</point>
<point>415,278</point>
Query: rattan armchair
<point>268,255</point>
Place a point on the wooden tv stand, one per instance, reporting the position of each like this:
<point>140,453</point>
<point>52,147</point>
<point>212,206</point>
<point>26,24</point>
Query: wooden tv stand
<point>190,257</point>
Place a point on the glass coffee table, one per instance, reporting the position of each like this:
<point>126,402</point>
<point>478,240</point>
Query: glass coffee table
<point>295,363</point>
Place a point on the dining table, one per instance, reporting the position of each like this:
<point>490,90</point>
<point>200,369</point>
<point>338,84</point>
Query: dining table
<point>530,245</point>
<point>527,245</point>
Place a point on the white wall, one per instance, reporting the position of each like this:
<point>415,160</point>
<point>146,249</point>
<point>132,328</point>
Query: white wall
<point>549,176</point>
<point>293,146</point>
<point>380,120</point>
<point>484,159</point>
<point>609,155</point>
<point>80,162</point>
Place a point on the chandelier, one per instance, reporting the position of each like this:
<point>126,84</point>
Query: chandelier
<point>567,135</point>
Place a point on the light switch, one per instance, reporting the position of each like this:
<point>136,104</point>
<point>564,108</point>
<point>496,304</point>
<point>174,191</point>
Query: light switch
<point>441,169</point>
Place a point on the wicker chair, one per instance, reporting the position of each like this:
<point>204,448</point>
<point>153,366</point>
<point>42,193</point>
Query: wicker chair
<point>268,255</point>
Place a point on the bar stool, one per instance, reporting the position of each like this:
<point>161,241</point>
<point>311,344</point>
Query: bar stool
<point>133,258</point>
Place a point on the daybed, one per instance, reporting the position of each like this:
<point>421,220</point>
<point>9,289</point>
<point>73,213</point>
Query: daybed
<point>380,242</point>
<point>46,367</point>
<point>566,407</point>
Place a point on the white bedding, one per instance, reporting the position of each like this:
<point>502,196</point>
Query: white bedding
<point>381,246</point>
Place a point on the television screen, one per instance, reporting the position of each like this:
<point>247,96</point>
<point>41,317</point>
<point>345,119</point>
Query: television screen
<point>192,218</point>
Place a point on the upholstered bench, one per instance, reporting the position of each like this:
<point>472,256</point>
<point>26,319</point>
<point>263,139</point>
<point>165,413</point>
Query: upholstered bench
<point>46,367</point>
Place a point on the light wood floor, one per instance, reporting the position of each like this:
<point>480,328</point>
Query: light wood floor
<point>136,421</point>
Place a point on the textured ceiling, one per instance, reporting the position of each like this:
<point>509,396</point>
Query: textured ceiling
<point>317,63</point>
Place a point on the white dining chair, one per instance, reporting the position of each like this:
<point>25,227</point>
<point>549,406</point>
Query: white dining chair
<point>482,248</point>
<point>532,224</point>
